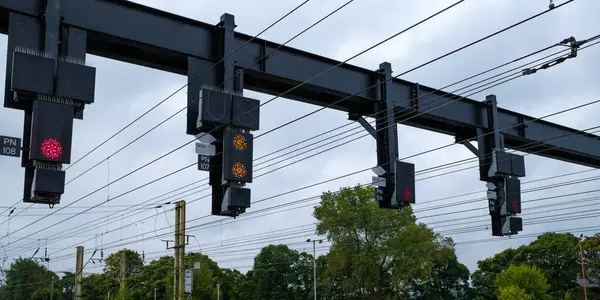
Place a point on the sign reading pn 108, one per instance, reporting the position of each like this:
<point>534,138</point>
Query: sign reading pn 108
<point>10,146</point>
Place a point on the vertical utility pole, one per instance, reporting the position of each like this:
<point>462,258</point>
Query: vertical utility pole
<point>122,272</point>
<point>178,293</point>
<point>218,290</point>
<point>582,267</point>
<point>52,289</point>
<point>78,272</point>
<point>154,293</point>
<point>314,270</point>
<point>314,265</point>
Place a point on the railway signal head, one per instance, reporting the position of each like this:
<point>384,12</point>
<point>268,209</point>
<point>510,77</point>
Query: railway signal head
<point>51,132</point>
<point>405,182</point>
<point>237,156</point>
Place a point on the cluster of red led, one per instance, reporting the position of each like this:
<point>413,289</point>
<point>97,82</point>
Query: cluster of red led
<point>407,193</point>
<point>51,148</point>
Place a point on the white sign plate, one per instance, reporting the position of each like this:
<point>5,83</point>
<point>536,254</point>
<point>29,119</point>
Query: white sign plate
<point>187,281</point>
<point>378,181</point>
<point>205,149</point>
<point>379,171</point>
<point>205,138</point>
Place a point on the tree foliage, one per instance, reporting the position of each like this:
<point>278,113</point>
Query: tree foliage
<point>556,255</point>
<point>523,281</point>
<point>591,250</point>
<point>374,254</point>
<point>377,253</point>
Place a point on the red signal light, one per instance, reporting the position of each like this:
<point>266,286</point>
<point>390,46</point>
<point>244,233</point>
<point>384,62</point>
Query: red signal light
<point>515,206</point>
<point>51,148</point>
<point>407,194</point>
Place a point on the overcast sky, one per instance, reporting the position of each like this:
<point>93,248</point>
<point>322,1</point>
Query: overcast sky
<point>124,91</point>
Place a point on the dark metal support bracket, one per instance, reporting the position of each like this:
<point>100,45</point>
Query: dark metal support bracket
<point>363,123</point>
<point>471,148</point>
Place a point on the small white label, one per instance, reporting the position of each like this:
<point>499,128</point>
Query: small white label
<point>378,181</point>
<point>205,149</point>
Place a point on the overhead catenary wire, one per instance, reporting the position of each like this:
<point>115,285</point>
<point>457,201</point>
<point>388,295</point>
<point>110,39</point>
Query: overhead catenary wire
<point>563,195</point>
<point>226,56</point>
<point>252,213</point>
<point>177,91</point>
<point>542,117</point>
<point>227,80</point>
<point>210,253</point>
<point>147,164</point>
<point>359,127</point>
<point>457,244</point>
<point>555,176</point>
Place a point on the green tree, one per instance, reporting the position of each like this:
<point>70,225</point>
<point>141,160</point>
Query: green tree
<point>278,272</point>
<point>591,254</point>
<point>487,270</point>
<point>94,287</point>
<point>232,285</point>
<point>557,256</point>
<point>449,279</point>
<point>159,274</point>
<point>528,280</point>
<point>134,266</point>
<point>26,279</point>
<point>205,279</point>
<point>67,285</point>
<point>375,253</point>
<point>513,292</point>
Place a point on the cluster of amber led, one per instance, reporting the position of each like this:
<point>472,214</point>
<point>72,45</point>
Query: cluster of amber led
<point>240,143</point>
<point>239,170</point>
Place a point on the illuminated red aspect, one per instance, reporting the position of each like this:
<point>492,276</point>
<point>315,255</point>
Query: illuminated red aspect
<point>51,148</point>
<point>407,193</point>
<point>515,206</point>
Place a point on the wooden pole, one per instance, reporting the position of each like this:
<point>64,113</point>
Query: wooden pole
<point>122,272</point>
<point>176,266</point>
<point>582,269</point>
<point>78,272</point>
<point>182,250</point>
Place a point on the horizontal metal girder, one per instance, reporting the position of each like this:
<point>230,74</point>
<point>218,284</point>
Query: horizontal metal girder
<point>157,39</point>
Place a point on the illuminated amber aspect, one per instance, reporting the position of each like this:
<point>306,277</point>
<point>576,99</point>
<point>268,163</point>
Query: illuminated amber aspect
<point>240,143</point>
<point>239,170</point>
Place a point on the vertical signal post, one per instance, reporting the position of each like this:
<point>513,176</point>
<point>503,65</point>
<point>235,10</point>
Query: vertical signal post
<point>500,170</point>
<point>395,180</point>
<point>222,119</point>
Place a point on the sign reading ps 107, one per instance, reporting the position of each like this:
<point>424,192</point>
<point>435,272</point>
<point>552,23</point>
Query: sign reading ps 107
<point>10,146</point>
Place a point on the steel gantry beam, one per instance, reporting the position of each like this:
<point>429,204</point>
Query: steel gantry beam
<point>146,36</point>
